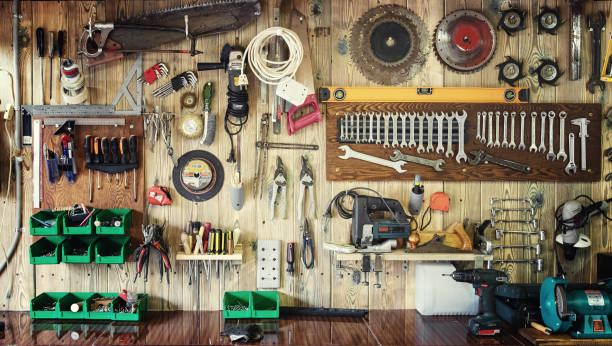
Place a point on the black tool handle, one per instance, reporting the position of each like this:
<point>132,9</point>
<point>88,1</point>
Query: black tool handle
<point>290,257</point>
<point>88,147</point>
<point>133,142</point>
<point>208,66</point>
<point>61,42</point>
<point>123,149</point>
<point>96,150</point>
<point>114,148</point>
<point>40,41</point>
<point>105,150</point>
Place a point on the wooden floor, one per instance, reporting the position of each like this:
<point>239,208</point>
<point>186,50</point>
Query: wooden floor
<point>393,327</point>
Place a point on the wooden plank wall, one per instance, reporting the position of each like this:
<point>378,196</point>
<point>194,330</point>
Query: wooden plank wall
<point>329,26</point>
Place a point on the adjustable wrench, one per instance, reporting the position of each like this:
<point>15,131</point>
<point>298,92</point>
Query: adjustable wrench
<point>483,136</point>
<point>512,145</point>
<point>461,130</point>
<point>499,233</point>
<point>412,142</point>
<point>403,116</point>
<point>430,119</point>
<point>449,140</point>
<point>358,116</point>
<point>534,118</point>
<point>371,137</point>
<point>351,154</point>
<point>561,154</point>
<point>386,118</point>
<point>480,157</point>
<point>551,127</point>
<point>496,144</point>
<point>435,164</point>
<point>377,128</point>
<point>490,142</point>
<point>421,148</point>
<point>505,141</point>
<point>571,165</point>
<point>440,121</point>
<point>395,142</point>
<point>583,134</point>
<point>542,147</point>
<point>478,126</point>
<point>521,145</point>
<point>596,24</point>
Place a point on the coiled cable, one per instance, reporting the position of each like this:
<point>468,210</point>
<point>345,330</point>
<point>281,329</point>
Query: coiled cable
<point>236,115</point>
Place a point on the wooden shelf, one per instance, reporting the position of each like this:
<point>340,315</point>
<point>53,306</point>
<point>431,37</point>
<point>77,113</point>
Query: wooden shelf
<point>236,256</point>
<point>402,255</point>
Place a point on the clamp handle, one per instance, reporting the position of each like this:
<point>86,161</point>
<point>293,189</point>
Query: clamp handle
<point>306,119</point>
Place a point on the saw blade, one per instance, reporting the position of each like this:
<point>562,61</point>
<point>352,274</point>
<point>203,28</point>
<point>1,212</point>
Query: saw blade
<point>389,44</point>
<point>464,41</point>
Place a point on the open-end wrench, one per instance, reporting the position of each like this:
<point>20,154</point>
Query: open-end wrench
<point>435,164</point>
<point>596,24</point>
<point>561,155</point>
<point>531,222</point>
<point>378,128</point>
<point>343,126</point>
<point>505,141</point>
<point>497,143</point>
<point>483,136</point>
<point>371,136</point>
<point>449,133</point>
<point>478,126</point>
<point>351,136</point>
<point>403,143</point>
<point>551,127</point>
<point>421,148</point>
<point>490,142</point>
<point>412,141</point>
<point>583,134</point>
<point>542,147</point>
<point>352,154</point>
<point>461,130</point>
<point>521,145</point>
<point>480,157</point>
<point>395,142</point>
<point>512,145</point>
<point>538,262</point>
<point>364,125</point>
<point>571,165</point>
<point>386,118</point>
<point>536,247</point>
<point>530,211</point>
<point>499,233</point>
<point>534,118</point>
<point>440,122</point>
<point>357,127</point>
<point>430,119</point>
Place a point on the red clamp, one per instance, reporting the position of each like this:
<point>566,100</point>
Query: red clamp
<point>306,119</point>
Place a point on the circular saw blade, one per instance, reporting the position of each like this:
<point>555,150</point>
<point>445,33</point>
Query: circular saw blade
<point>389,44</point>
<point>464,41</point>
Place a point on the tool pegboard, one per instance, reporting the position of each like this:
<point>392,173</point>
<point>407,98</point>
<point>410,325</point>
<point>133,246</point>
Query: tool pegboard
<point>111,194</point>
<point>541,169</point>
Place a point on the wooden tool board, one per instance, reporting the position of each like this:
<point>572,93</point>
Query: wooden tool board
<point>542,169</point>
<point>111,194</point>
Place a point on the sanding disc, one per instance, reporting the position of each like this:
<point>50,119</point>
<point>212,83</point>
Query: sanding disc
<point>199,176</point>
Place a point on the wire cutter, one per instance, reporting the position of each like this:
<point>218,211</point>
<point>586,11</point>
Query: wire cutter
<point>306,182</point>
<point>280,184</point>
<point>307,249</point>
<point>152,238</point>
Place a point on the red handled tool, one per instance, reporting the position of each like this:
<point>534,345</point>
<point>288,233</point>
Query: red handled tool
<point>290,257</point>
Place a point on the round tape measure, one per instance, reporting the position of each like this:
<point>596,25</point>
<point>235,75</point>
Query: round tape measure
<point>199,176</point>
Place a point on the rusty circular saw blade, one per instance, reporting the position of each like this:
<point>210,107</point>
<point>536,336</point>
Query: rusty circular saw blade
<point>389,44</point>
<point>464,41</point>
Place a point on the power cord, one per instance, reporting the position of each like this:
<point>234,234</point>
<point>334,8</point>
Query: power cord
<point>236,115</point>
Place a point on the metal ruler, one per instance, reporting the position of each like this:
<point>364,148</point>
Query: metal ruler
<point>85,121</point>
<point>36,177</point>
<point>423,94</point>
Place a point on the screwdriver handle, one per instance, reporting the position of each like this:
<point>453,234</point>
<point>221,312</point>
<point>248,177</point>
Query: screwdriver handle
<point>123,149</point>
<point>114,148</point>
<point>88,146</point>
<point>105,150</point>
<point>207,94</point>
<point>290,256</point>
<point>51,45</point>
<point>96,158</point>
<point>133,142</point>
<point>61,41</point>
<point>40,43</point>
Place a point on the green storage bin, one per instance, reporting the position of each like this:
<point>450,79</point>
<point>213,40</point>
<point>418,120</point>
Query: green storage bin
<point>265,304</point>
<point>233,298</point>
<point>100,315</point>
<point>109,214</point>
<point>79,230</point>
<point>44,246</point>
<point>70,298</point>
<point>137,315</point>
<point>112,250</point>
<point>39,305</point>
<point>84,247</point>
<point>55,218</point>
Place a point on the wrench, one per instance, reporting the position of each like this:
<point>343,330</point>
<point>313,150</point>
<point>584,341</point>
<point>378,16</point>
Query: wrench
<point>352,154</point>
<point>403,116</point>
<point>377,128</point>
<point>596,24</point>
<point>538,262</point>
<point>480,157</point>
<point>449,143</point>
<point>496,144</point>
<point>386,118</point>
<point>478,126</point>
<point>505,141</point>
<point>394,117</point>
<point>512,145</point>
<point>490,143</point>
<point>542,147</point>
<point>371,137</point>
<point>351,136</point>
<point>440,146</point>
<point>534,119</point>
<point>536,247</point>
<point>571,165</point>
<point>561,153</point>
<point>412,142</point>
<point>430,119</point>
<point>499,233</point>
<point>532,222</point>
<point>365,127</point>
<point>521,145</point>
<point>435,164</point>
<point>483,136</point>
<point>421,148</point>
<point>343,126</point>
<point>461,129</point>
<point>530,210</point>
<point>551,127</point>
<point>357,129</point>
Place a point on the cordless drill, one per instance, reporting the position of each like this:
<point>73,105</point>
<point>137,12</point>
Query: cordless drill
<point>484,281</point>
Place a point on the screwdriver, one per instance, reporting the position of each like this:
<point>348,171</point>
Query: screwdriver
<point>40,33</point>
<point>51,51</point>
<point>61,41</point>
<point>290,257</point>
<point>114,148</point>
<point>88,147</point>
<point>96,158</point>
<point>124,160</point>
<point>133,142</point>
<point>106,158</point>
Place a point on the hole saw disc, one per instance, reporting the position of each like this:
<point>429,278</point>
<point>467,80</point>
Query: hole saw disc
<point>198,176</point>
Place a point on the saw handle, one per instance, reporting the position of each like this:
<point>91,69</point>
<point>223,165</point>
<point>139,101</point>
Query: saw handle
<point>306,119</point>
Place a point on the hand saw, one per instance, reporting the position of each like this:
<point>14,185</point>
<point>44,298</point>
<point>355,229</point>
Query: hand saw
<point>104,42</point>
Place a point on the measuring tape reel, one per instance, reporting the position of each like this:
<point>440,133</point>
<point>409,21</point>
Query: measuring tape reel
<point>198,176</point>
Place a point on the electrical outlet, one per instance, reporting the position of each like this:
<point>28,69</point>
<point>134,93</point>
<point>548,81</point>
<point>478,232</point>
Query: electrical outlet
<point>268,263</point>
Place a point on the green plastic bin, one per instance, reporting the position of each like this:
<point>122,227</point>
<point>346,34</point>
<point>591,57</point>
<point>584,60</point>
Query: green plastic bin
<point>55,218</point>
<point>138,315</point>
<point>86,244</point>
<point>265,304</point>
<point>109,214</point>
<point>44,246</point>
<point>112,250</point>
<point>87,229</point>
<point>46,299</point>
<point>231,299</point>
<point>100,315</point>
<point>70,298</point>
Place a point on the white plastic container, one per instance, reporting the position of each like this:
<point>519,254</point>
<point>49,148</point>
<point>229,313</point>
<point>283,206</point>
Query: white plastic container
<point>441,295</point>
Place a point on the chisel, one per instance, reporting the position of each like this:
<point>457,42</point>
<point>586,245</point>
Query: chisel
<point>40,43</point>
<point>51,50</point>
<point>61,41</point>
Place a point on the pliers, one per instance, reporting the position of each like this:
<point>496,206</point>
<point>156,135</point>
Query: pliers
<point>280,183</point>
<point>152,238</point>
<point>307,249</point>
<point>306,182</point>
